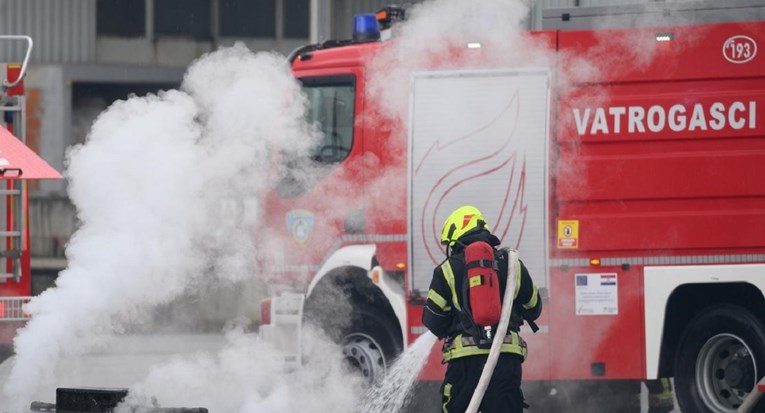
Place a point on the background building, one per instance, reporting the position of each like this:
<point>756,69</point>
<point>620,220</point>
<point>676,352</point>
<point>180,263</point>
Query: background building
<point>89,53</point>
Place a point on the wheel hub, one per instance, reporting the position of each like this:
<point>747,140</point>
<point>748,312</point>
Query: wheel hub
<point>363,354</point>
<point>725,372</point>
<point>739,374</point>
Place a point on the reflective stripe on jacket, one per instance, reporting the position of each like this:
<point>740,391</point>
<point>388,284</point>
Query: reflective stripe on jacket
<point>465,346</point>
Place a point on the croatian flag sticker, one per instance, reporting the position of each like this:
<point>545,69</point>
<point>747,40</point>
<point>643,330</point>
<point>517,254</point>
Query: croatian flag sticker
<point>607,279</point>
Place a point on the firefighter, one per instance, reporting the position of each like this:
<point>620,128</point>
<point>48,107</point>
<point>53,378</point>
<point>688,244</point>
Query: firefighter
<point>446,315</point>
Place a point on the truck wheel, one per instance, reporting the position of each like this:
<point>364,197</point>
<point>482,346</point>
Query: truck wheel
<point>370,345</point>
<point>363,353</point>
<point>720,358</point>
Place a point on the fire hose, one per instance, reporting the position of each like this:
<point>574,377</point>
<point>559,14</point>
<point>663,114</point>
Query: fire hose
<point>751,400</point>
<point>496,344</point>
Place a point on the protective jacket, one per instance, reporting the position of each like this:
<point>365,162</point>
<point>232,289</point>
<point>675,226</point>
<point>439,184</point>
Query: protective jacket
<point>444,313</point>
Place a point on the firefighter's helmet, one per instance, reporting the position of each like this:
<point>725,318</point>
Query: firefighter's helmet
<point>463,220</point>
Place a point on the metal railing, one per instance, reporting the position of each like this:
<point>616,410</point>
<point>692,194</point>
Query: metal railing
<point>6,84</point>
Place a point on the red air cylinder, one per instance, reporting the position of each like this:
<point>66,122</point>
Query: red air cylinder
<point>485,302</point>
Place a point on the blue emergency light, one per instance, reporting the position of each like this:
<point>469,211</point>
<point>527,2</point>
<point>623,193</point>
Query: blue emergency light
<point>365,28</point>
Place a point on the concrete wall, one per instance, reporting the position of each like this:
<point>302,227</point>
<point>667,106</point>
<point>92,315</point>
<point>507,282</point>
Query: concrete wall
<point>63,31</point>
<point>50,107</point>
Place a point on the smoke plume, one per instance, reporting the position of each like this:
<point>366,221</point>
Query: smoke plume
<point>161,185</point>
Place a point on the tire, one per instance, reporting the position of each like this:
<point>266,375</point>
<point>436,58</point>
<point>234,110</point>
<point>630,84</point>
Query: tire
<point>720,358</point>
<point>347,309</point>
<point>371,344</point>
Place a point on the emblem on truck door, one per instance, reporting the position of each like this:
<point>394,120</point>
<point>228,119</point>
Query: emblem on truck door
<point>300,225</point>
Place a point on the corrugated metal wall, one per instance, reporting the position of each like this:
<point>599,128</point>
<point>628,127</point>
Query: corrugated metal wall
<point>653,14</point>
<point>63,31</point>
<point>344,10</point>
<point>559,4</point>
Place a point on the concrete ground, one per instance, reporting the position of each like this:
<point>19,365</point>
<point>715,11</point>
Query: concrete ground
<point>124,363</point>
<point>130,358</point>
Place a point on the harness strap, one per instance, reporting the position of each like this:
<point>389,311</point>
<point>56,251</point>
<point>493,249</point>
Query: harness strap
<point>483,264</point>
<point>463,346</point>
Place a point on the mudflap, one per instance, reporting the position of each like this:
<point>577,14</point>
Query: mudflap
<point>285,330</point>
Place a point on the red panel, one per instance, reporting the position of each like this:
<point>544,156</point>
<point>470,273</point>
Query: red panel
<point>336,58</point>
<point>671,226</point>
<point>578,341</point>
<point>433,370</point>
<point>14,70</point>
<point>676,170</point>
<point>540,347</point>
<point>413,318</point>
<point>695,52</point>
<point>658,154</point>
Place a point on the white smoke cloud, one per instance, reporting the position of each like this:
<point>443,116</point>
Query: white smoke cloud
<point>160,186</point>
<point>436,35</point>
<point>245,377</point>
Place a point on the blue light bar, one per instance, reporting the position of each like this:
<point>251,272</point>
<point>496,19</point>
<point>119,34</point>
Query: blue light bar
<point>365,28</point>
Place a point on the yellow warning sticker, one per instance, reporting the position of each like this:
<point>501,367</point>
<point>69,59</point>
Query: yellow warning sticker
<point>476,280</point>
<point>568,233</point>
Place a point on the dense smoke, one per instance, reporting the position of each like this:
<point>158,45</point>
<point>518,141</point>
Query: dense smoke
<point>429,38</point>
<point>167,191</point>
<point>246,377</point>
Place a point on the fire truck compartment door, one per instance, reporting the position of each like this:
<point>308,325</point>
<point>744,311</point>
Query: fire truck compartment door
<point>17,161</point>
<point>480,138</point>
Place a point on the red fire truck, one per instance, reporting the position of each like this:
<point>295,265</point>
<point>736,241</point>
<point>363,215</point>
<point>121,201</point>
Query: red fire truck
<point>18,164</point>
<point>635,197</point>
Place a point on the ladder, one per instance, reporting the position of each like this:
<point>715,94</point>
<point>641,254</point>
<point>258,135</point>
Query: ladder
<point>13,192</point>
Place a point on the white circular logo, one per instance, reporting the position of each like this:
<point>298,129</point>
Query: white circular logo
<point>739,49</point>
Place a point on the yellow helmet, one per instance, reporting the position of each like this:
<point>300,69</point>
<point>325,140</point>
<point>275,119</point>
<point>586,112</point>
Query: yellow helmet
<point>463,220</point>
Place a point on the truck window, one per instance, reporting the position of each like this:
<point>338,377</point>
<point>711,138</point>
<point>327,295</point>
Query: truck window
<point>330,100</point>
<point>331,110</point>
